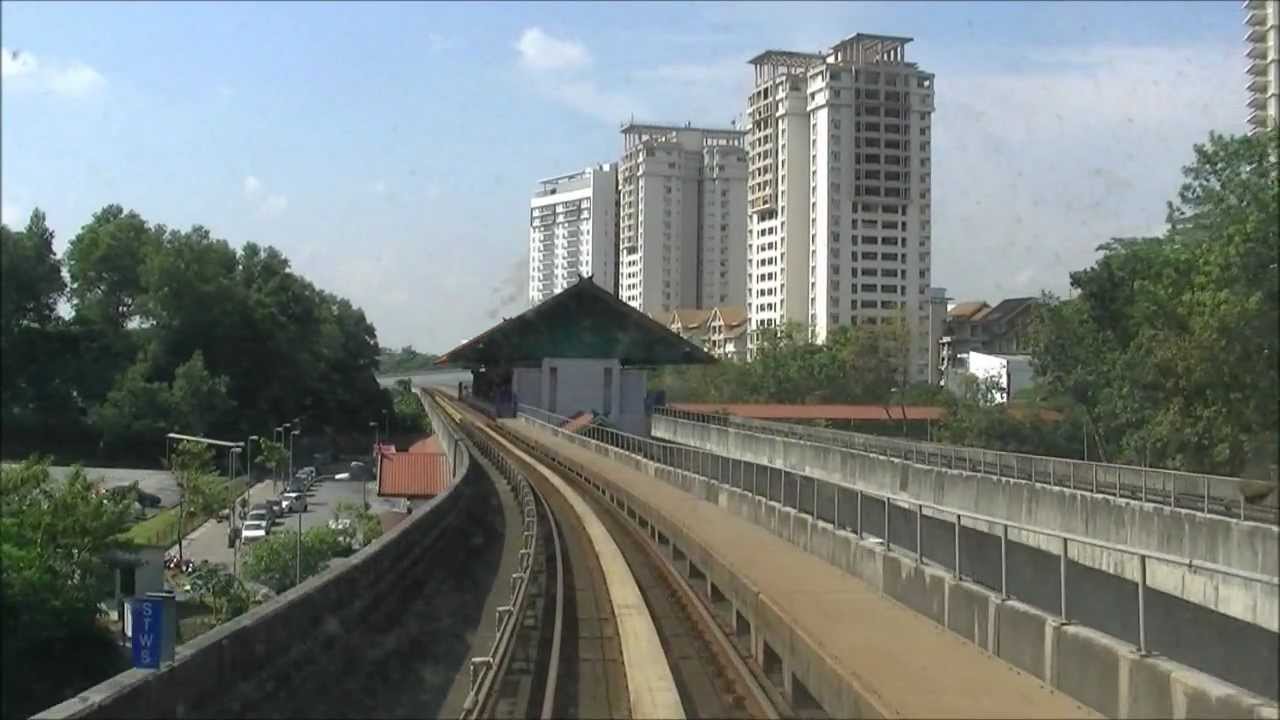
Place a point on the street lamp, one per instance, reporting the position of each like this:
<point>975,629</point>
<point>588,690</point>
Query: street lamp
<point>364,484</point>
<point>292,435</point>
<point>231,514</point>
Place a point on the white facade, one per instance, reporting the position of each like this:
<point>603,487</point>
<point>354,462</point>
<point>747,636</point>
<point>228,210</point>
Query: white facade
<point>568,386</point>
<point>681,217</point>
<point>1262,17</point>
<point>840,191</point>
<point>573,231</point>
<point>1010,373</point>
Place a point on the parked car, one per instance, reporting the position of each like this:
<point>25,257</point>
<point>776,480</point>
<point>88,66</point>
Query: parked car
<point>276,506</point>
<point>294,502</point>
<point>253,531</point>
<point>261,515</point>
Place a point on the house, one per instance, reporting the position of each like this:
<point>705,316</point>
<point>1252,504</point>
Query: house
<point>976,326</point>
<point>727,332</point>
<point>581,350</point>
<point>690,324</point>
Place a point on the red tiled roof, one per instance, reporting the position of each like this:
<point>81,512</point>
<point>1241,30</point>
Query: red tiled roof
<point>816,412</point>
<point>412,474</point>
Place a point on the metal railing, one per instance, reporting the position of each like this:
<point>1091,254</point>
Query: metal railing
<point>670,454</point>
<point>1210,494</point>
<point>486,670</point>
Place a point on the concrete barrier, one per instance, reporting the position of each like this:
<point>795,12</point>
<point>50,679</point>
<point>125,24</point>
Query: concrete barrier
<point>241,660</point>
<point>1105,673</point>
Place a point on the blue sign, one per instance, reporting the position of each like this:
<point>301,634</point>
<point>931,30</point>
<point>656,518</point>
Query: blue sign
<point>148,632</point>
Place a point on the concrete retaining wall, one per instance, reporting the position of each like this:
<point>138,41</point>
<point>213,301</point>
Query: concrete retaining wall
<point>267,646</point>
<point>1096,669</point>
<point>1241,545</point>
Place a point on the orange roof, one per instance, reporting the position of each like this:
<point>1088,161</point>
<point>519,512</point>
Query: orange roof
<point>412,474</point>
<point>817,412</point>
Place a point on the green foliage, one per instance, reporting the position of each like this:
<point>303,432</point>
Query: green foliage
<point>273,560</point>
<point>410,416</point>
<point>223,593</point>
<point>365,524</point>
<point>404,360</point>
<point>54,538</point>
<point>861,364</point>
<point>1170,346</point>
<point>170,330</point>
<point>273,455</point>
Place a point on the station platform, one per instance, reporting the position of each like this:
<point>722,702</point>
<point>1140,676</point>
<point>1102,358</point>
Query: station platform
<point>911,666</point>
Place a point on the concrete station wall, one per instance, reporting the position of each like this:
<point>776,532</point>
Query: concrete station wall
<point>1101,671</point>
<point>263,654</point>
<point>1242,545</point>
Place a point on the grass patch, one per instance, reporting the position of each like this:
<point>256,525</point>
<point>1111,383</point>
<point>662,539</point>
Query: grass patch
<point>162,528</point>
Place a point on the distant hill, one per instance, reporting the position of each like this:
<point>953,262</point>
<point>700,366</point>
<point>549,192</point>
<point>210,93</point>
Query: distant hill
<point>404,360</point>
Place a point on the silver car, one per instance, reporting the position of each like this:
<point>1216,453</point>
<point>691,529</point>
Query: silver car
<point>294,502</point>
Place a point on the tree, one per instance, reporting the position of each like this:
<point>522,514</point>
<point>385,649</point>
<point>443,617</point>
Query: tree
<point>1170,347</point>
<point>273,454</point>
<point>192,466</point>
<point>219,590</point>
<point>137,412</point>
<point>273,561</point>
<point>54,540</point>
<point>410,416</point>
<point>366,525</point>
<point>199,399</point>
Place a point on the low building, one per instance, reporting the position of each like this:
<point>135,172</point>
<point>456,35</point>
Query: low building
<point>975,326</point>
<point>1009,374</point>
<point>582,350</point>
<point>727,332</point>
<point>689,323</point>
<point>418,473</point>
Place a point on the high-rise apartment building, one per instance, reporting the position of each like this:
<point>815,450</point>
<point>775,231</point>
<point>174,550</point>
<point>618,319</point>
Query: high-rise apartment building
<point>839,183</point>
<point>573,231</point>
<point>1263,20</point>
<point>681,217</point>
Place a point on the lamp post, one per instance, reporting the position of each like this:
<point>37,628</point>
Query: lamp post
<point>248,461</point>
<point>283,430</point>
<point>298,570</point>
<point>364,484</point>
<point>231,517</point>
<point>292,435</point>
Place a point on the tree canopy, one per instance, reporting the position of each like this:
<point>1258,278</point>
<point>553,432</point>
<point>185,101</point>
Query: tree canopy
<point>1170,343</point>
<point>169,330</point>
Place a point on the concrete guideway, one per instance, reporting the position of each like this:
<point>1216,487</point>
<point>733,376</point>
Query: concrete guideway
<point>1181,534</point>
<point>906,666</point>
<point>651,687</point>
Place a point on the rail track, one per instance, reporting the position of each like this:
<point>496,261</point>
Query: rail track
<point>582,657</point>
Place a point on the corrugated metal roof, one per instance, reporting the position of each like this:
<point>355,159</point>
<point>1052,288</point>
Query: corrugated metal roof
<point>412,474</point>
<point>816,412</point>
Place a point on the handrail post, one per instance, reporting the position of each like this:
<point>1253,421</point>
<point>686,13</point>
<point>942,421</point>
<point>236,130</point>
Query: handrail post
<point>919,532</point>
<point>858,497</point>
<point>959,520</point>
<point>835,517</point>
<point>1142,605</point>
<point>888,544</point>
<point>1004,561</point>
<point>1206,493</point>
<point>1062,581</point>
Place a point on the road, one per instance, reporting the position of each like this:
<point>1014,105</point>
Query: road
<point>209,541</point>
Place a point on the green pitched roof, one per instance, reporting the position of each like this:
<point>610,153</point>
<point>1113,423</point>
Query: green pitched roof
<point>583,321</point>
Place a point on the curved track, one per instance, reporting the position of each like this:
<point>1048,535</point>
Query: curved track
<point>621,592</point>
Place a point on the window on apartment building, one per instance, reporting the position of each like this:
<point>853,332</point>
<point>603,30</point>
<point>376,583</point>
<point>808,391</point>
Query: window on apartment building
<point>868,305</point>
<point>869,272</point>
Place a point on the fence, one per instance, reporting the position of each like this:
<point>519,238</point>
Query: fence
<point>806,494</point>
<point>1210,494</point>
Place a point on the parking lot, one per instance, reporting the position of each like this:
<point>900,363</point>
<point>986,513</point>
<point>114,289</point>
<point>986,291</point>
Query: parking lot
<point>209,542</point>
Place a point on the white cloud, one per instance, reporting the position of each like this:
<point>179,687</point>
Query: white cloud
<point>588,98</point>
<point>25,71</point>
<point>10,215</point>
<point>1032,170</point>
<point>540,51</point>
<point>267,204</point>
<point>439,43</point>
<point>76,80</point>
<point>274,205</point>
<point>379,187</point>
<point>15,63</point>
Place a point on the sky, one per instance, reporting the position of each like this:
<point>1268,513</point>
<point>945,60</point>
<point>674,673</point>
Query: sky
<point>390,150</point>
